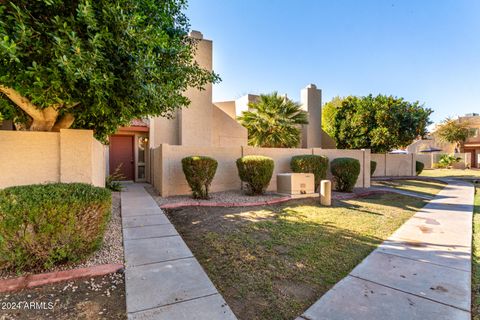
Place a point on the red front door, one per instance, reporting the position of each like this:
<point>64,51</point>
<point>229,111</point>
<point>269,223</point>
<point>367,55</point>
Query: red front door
<point>121,156</point>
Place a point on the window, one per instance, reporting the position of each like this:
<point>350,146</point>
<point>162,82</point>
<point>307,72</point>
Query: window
<point>474,132</point>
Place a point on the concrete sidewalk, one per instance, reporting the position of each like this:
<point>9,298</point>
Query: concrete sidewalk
<point>163,279</point>
<point>423,271</point>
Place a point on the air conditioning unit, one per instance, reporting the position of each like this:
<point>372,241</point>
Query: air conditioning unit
<point>296,184</point>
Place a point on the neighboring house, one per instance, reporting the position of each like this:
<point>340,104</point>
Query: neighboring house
<point>472,145</point>
<point>203,124</point>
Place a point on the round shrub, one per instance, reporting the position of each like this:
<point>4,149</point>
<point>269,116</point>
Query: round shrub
<point>419,167</point>
<point>345,173</point>
<point>199,172</point>
<point>256,172</point>
<point>373,167</point>
<point>310,163</point>
<point>42,225</point>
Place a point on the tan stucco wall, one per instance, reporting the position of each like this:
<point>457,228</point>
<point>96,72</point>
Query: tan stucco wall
<point>311,100</point>
<point>327,141</point>
<point>29,157</point>
<point>40,157</point>
<point>227,132</point>
<point>398,165</point>
<point>168,178</point>
<point>173,181</point>
<point>281,156</point>
<point>228,107</point>
<point>196,120</point>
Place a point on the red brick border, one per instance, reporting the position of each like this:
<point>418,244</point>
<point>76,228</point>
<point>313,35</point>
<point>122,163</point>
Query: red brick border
<point>268,202</point>
<point>34,280</point>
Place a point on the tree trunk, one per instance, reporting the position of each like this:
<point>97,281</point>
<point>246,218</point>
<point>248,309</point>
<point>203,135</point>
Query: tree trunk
<point>46,119</point>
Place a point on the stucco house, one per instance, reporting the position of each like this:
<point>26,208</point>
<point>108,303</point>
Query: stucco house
<point>203,124</point>
<point>471,145</point>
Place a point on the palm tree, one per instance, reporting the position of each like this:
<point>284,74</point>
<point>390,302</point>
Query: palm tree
<point>273,122</point>
<point>453,131</point>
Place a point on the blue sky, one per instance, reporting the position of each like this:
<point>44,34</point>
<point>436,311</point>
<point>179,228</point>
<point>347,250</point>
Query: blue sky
<point>425,50</point>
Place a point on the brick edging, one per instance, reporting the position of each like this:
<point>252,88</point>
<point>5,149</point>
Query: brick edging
<point>34,280</point>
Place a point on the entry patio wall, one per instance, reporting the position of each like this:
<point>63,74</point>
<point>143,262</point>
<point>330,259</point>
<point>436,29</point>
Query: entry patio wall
<point>169,180</point>
<point>28,157</point>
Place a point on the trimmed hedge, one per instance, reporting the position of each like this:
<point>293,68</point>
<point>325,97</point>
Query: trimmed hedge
<point>345,173</point>
<point>310,163</point>
<point>419,167</point>
<point>373,167</point>
<point>199,172</point>
<point>42,225</point>
<point>256,172</point>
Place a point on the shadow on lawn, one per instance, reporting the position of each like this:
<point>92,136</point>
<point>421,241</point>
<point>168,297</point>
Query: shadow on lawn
<point>273,262</point>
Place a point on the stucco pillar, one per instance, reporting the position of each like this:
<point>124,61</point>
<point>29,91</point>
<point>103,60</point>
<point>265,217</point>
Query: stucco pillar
<point>195,121</point>
<point>311,100</point>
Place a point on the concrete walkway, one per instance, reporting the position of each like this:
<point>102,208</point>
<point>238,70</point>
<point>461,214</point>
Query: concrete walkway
<point>423,271</point>
<point>404,192</point>
<point>163,279</point>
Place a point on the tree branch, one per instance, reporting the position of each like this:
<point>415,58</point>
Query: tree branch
<point>23,103</point>
<point>64,122</point>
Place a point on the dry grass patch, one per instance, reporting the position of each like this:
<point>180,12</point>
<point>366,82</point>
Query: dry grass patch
<point>273,262</point>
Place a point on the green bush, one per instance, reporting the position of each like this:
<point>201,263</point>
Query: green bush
<point>199,172</point>
<point>256,171</point>
<point>42,225</point>
<point>447,160</point>
<point>345,173</point>
<point>419,167</point>
<point>309,163</point>
<point>373,167</point>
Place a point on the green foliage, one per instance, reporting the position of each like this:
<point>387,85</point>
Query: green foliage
<point>453,131</point>
<point>199,172</point>
<point>112,181</point>
<point>419,167</point>
<point>380,123</point>
<point>345,173</point>
<point>373,167</point>
<point>256,171</point>
<point>42,225</point>
<point>273,122</point>
<point>309,163</point>
<point>329,110</point>
<point>447,160</point>
<point>113,60</point>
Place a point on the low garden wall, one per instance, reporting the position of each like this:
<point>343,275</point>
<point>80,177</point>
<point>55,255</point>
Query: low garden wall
<point>28,157</point>
<point>396,165</point>
<point>168,178</point>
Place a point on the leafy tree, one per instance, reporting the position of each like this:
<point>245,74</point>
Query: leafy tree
<point>380,123</point>
<point>328,114</point>
<point>94,64</point>
<point>273,122</point>
<point>453,131</point>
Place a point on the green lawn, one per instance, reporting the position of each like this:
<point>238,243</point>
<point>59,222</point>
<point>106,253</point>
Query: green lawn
<point>428,188</point>
<point>476,258</point>
<point>273,262</point>
<point>439,173</point>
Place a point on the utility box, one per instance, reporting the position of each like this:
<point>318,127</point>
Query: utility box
<point>296,183</point>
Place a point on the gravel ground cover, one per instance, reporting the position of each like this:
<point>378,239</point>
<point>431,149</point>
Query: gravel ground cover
<point>111,250</point>
<point>225,197</point>
<point>87,299</point>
